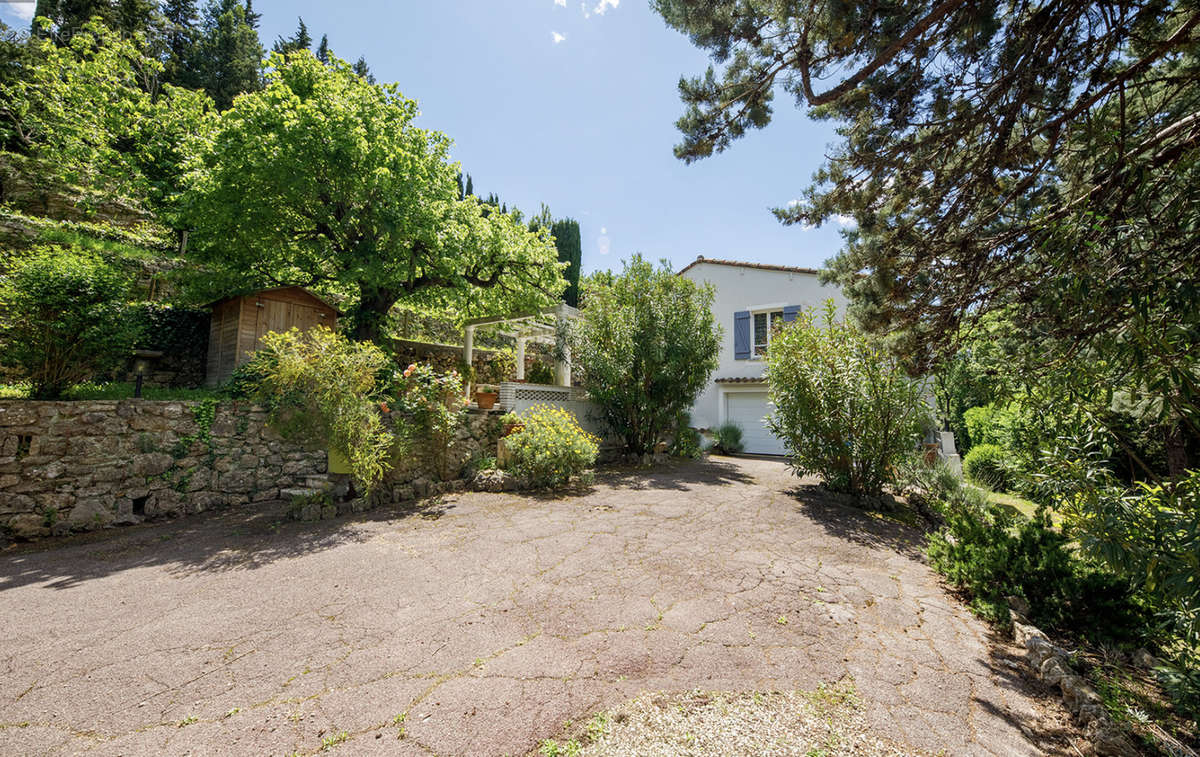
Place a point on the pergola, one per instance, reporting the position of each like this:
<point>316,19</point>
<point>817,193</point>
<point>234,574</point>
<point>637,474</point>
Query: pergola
<point>542,326</point>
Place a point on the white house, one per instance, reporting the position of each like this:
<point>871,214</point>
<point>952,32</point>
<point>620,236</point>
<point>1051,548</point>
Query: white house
<point>749,298</point>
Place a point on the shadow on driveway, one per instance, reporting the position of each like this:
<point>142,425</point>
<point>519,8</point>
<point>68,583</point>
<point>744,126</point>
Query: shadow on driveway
<point>242,538</point>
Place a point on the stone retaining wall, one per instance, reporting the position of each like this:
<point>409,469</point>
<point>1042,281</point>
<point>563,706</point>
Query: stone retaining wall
<point>77,466</point>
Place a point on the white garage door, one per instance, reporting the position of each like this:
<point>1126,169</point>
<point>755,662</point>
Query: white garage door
<point>749,410</point>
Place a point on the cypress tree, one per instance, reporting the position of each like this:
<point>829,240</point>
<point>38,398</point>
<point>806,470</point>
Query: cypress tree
<point>470,187</point>
<point>323,53</point>
<point>570,251</point>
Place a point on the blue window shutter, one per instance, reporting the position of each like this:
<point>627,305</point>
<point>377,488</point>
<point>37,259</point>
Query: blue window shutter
<point>741,335</point>
<point>790,312</point>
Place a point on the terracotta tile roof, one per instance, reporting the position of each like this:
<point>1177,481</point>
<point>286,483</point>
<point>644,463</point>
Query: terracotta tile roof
<point>739,264</point>
<point>742,380</point>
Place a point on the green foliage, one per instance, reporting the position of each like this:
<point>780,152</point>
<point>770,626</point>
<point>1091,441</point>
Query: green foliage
<point>81,110</point>
<point>120,390</point>
<point>227,60</point>
<point>570,251</point>
<point>1148,532</point>
<point>991,556</point>
<point>432,406</point>
<point>321,390</point>
<point>686,441</point>
<point>990,466</point>
<point>548,446</point>
<point>844,410</point>
<point>63,319</point>
<point>322,179</point>
<point>937,489</point>
<point>647,342</point>
<point>539,372</point>
<point>727,439</point>
<point>171,329</point>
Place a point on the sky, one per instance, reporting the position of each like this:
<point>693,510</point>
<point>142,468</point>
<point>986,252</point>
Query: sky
<point>573,105</point>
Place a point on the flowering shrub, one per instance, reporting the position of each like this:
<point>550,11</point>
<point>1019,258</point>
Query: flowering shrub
<point>433,406</point>
<point>548,446</point>
<point>321,389</point>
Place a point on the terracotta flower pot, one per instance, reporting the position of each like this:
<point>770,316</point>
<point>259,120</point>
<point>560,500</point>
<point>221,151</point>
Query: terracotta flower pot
<point>486,400</point>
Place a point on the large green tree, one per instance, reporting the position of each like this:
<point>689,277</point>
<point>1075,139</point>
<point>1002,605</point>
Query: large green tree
<point>82,112</point>
<point>646,342</point>
<point>301,40</point>
<point>322,179</point>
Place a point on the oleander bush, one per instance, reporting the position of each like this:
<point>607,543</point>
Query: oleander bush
<point>548,447</point>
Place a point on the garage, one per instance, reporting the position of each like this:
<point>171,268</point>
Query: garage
<point>749,410</point>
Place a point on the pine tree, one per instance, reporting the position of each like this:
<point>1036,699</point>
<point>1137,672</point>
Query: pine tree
<point>136,16</point>
<point>323,52</point>
<point>252,19</point>
<point>470,191</point>
<point>361,68</point>
<point>229,53</point>
<point>180,33</point>
<point>301,40</point>
<point>69,16</point>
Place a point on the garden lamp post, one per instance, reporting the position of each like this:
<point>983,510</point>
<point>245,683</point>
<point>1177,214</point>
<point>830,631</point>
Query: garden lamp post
<point>141,366</point>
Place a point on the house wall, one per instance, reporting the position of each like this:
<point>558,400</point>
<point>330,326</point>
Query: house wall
<point>741,288</point>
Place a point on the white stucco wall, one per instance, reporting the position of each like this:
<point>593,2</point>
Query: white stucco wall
<point>742,288</point>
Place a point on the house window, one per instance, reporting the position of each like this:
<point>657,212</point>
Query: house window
<point>766,323</point>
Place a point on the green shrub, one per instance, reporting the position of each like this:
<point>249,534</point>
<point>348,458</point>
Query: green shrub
<point>843,408</point>
<point>727,439</point>
<point>321,389</point>
<point>937,490</point>
<point>548,446</point>
<point>431,405</point>
<point>646,342</point>
<point>989,465</point>
<point>686,441</point>
<point>63,319</point>
<point>991,556</point>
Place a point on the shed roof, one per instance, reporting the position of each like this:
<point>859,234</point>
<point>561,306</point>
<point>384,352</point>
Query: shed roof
<point>249,292</point>
<point>739,264</point>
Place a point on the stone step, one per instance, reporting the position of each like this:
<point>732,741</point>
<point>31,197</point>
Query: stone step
<point>298,492</point>
<point>318,481</point>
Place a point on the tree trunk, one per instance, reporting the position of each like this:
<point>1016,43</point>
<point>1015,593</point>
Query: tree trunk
<point>1177,457</point>
<point>370,321</point>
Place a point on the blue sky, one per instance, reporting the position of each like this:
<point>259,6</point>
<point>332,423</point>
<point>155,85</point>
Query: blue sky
<point>574,105</point>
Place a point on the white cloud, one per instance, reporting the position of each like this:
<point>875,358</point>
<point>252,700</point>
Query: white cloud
<point>604,5</point>
<point>602,244</point>
<point>603,230</point>
<point>23,9</point>
<point>845,221</point>
<point>557,37</point>
<point>583,7</point>
<point>561,3</point>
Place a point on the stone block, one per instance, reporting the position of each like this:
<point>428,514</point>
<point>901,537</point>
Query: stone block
<point>151,464</point>
<point>16,503</point>
<point>201,478</point>
<point>9,479</point>
<point>238,481</point>
<point>91,513</point>
<point>164,502</point>
<point>198,502</point>
<point>265,495</point>
<point>27,526</point>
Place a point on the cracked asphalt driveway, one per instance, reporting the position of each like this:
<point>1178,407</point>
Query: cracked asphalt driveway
<point>481,623</point>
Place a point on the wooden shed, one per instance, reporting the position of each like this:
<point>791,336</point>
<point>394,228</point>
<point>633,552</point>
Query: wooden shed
<point>238,324</point>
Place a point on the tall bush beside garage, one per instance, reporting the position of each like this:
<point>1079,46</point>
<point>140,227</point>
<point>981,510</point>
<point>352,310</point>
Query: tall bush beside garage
<point>843,408</point>
<point>646,342</point>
